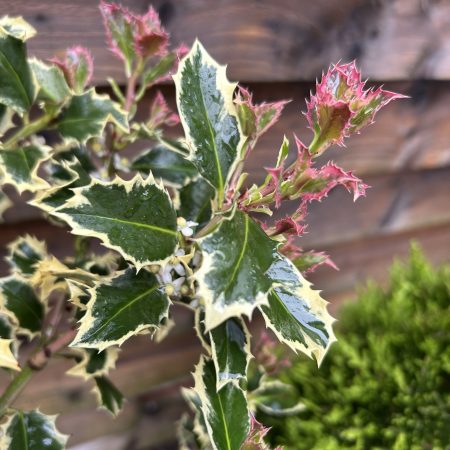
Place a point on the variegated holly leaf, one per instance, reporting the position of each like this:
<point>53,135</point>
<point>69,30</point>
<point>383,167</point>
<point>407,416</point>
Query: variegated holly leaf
<point>5,203</point>
<point>171,167</point>
<point>296,313</point>
<point>24,253</point>
<point>230,348</point>
<point>195,201</point>
<point>87,115</point>
<point>208,115</point>
<point>134,217</point>
<point>51,82</point>
<point>124,306</point>
<point>17,89</point>
<point>68,176</point>
<point>225,412</point>
<point>6,119</point>
<point>17,27</point>
<point>232,279</point>
<point>20,302</point>
<point>7,358</point>
<point>108,396</point>
<point>93,363</point>
<point>31,430</point>
<point>20,166</point>
<point>6,327</point>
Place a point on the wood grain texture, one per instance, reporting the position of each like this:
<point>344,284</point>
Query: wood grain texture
<point>266,40</point>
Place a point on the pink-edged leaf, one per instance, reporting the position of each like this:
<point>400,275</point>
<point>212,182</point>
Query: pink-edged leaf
<point>119,25</point>
<point>255,438</point>
<point>341,106</point>
<point>150,38</point>
<point>256,119</point>
<point>308,262</point>
<point>77,66</point>
<point>161,114</point>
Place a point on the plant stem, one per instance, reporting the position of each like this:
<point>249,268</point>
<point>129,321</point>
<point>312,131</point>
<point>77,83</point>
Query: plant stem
<point>15,388</point>
<point>131,86</point>
<point>28,130</point>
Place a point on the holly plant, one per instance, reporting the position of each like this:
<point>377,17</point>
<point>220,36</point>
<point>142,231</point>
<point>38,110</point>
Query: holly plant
<point>178,222</point>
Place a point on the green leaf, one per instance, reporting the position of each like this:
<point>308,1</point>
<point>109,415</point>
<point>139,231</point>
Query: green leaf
<point>31,430</point>
<point>208,115</point>
<point>108,396</point>
<point>6,327</point>
<point>17,27</point>
<point>296,313</point>
<point>195,201</point>
<point>20,167</point>
<point>225,412</point>
<point>88,113</point>
<point>51,81</point>
<point>161,68</point>
<point>93,363</point>
<point>125,305</point>
<point>6,119</point>
<point>24,253</point>
<point>134,217</point>
<point>232,279</point>
<point>19,300</point>
<point>230,345</point>
<point>17,89</point>
<point>166,164</point>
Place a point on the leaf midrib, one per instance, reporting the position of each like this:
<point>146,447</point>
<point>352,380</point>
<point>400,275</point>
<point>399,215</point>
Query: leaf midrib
<point>123,308</point>
<point>23,430</point>
<point>127,222</point>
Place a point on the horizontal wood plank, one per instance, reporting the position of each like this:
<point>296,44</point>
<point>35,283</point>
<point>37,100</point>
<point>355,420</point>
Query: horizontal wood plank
<point>263,40</point>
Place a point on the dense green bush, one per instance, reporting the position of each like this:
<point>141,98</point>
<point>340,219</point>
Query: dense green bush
<point>386,384</point>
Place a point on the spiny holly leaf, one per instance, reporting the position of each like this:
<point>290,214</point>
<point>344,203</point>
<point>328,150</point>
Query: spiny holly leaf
<point>7,359</point>
<point>225,412</point>
<point>108,396</point>
<point>24,253</point>
<point>17,27</point>
<point>296,313</point>
<point>232,280</point>
<point>209,118</point>
<point>20,167</point>
<point>134,217</point>
<point>51,82</point>
<point>195,201</point>
<point>20,302</point>
<point>5,203</point>
<point>88,113</point>
<point>68,175</point>
<point>31,430</point>
<point>125,305</point>
<point>171,167</point>
<point>93,363</point>
<point>230,345</point>
<point>17,89</point>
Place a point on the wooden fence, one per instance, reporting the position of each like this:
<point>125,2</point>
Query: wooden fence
<point>277,48</point>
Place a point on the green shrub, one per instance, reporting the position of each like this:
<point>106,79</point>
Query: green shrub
<point>386,383</point>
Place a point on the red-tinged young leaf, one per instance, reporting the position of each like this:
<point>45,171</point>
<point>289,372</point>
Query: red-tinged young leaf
<point>255,438</point>
<point>150,38</point>
<point>161,114</point>
<point>77,66</point>
<point>341,106</point>
<point>256,119</point>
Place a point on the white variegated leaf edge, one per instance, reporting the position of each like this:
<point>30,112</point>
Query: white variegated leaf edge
<point>227,89</point>
<point>5,203</point>
<point>5,440</point>
<point>7,358</point>
<point>221,383</point>
<point>187,394</point>
<point>318,306</point>
<point>36,183</point>
<point>87,320</point>
<point>79,199</point>
<point>100,406</point>
<point>79,370</point>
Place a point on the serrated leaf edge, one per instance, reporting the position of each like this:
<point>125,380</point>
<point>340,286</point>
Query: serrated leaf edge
<point>79,370</point>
